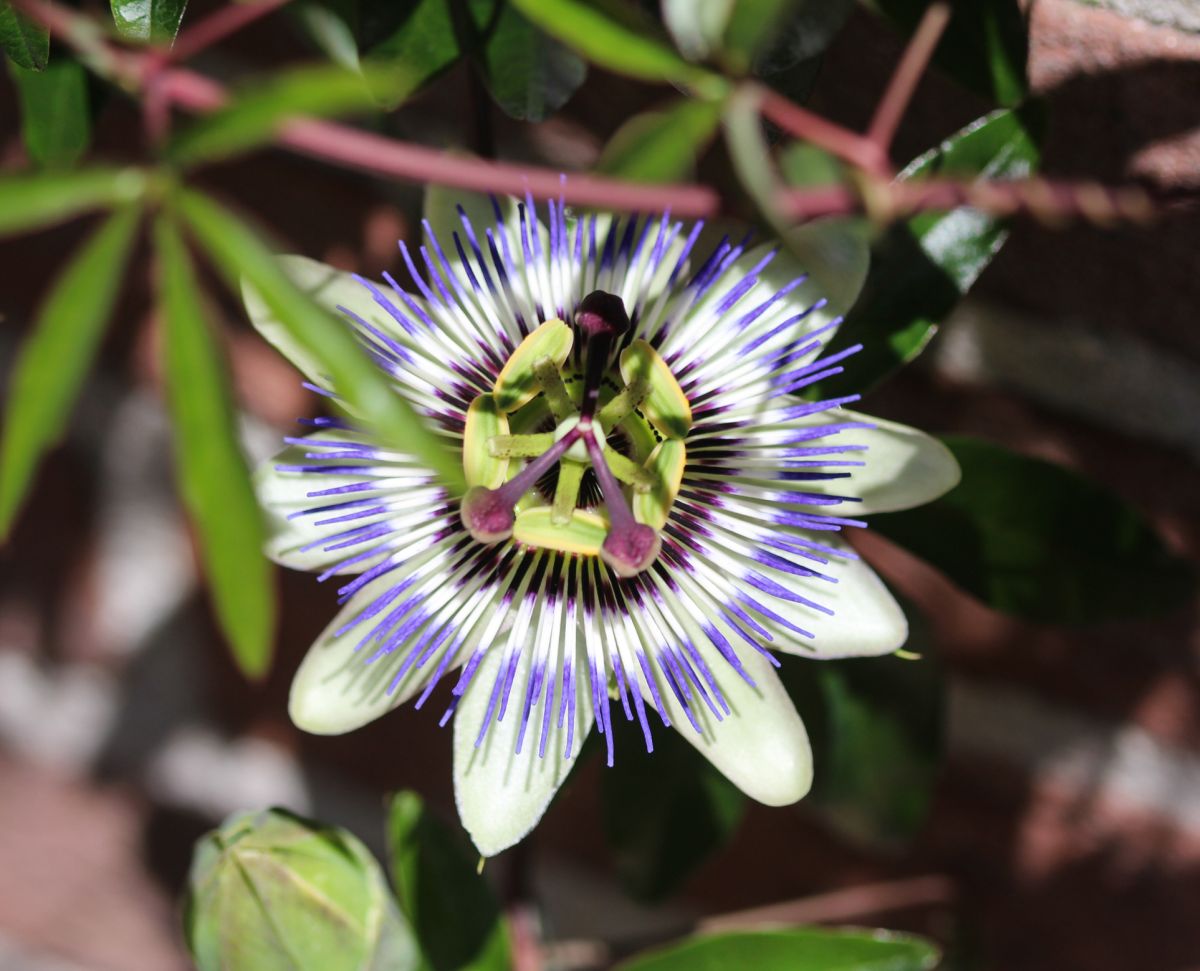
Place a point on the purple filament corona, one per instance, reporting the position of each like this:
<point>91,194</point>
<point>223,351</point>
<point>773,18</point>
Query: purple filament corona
<point>745,552</point>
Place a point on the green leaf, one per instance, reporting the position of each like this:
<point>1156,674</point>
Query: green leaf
<point>985,47</point>
<point>417,35</point>
<point>921,268</point>
<point>28,202</point>
<point>619,37</point>
<point>148,20</point>
<point>332,26</point>
<point>804,35</point>
<point>804,165</point>
<point>51,365</point>
<point>56,123</point>
<point>661,146</point>
<point>254,117</point>
<point>665,812</point>
<point>213,475</point>
<point>270,891</point>
<point>26,43</point>
<point>1040,542</point>
<point>876,726</point>
<point>528,73</point>
<point>363,387</point>
<point>753,26</point>
<point>697,26</point>
<point>445,897</point>
<point>806,949</point>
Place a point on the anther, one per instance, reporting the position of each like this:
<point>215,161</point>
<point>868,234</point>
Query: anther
<point>487,514</point>
<point>630,547</point>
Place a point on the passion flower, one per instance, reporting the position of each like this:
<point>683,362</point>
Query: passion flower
<point>654,508</point>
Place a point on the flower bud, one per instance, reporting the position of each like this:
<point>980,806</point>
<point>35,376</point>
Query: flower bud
<point>270,891</point>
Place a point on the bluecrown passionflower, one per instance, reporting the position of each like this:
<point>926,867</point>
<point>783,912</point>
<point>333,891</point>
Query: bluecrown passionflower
<point>655,511</point>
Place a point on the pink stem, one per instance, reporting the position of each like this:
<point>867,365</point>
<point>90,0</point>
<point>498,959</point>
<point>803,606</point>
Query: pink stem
<point>812,128</point>
<point>907,75</point>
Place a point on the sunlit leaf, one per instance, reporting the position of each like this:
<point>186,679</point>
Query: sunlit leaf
<point>363,387</point>
<point>148,20</point>
<point>253,117</point>
<point>447,900</point>
<point>921,268</point>
<point>51,365</point>
<point>32,201</point>
<point>618,36</point>
<point>213,475</point>
<point>26,43</point>
<point>1041,542</point>
<point>697,25</point>
<point>805,949</point>
<point>661,146</point>
<point>56,124</point>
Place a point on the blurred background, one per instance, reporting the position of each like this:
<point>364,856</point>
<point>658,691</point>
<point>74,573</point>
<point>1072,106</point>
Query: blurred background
<point>1063,829</point>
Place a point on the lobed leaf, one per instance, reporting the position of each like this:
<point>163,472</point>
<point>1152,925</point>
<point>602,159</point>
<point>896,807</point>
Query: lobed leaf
<point>213,475</point>
<point>254,116</point>
<point>29,202</point>
<point>362,387</point>
<point>51,364</point>
<point>56,123</point>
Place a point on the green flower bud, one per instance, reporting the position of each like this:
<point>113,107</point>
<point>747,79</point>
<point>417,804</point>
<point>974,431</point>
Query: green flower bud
<point>270,891</point>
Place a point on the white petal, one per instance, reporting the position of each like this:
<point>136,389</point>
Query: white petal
<point>866,621</point>
<point>761,745</point>
<point>329,287</point>
<point>905,467</point>
<point>335,689</point>
<point>837,254</point>
<point>501,794</point>
<point>440,210</point>
<point>283,494</point>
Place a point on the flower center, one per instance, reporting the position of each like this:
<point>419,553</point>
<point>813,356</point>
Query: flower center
<point>544,413</point>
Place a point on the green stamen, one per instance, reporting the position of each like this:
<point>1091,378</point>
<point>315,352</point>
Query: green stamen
<point>566,494</point>
<point>555,390</point>
<point>629,472</point>
<point>623,403</point>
